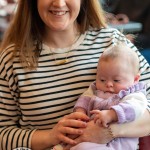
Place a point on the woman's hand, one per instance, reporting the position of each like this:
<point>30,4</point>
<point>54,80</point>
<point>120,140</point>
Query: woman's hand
<point>93,133</point>
<point>73,123</point>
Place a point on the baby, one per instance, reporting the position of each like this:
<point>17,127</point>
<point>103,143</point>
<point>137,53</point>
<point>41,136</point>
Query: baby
<point>115,96</point>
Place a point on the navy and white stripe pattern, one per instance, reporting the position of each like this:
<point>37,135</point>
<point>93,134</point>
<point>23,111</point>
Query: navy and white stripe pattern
<point>37,99</point>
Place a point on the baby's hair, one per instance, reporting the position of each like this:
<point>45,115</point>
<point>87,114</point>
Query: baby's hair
<point>123,52</point>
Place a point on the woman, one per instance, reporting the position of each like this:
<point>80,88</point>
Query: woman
<point>48,58</point>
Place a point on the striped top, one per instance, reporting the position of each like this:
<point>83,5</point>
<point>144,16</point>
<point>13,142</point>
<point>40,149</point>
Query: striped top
<point>37,99</point>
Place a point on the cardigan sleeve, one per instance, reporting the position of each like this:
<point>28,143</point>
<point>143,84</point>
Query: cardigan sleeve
<point>131,107</point>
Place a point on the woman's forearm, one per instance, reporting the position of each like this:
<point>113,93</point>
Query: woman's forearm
<point>41,140</point>
<point>137,128</point>
<point>69,124</point>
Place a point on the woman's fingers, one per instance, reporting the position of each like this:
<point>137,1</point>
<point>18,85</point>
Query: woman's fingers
<point>73,123</point>
<point>94,133</point>
<point>77,115</point>
<point>63,134</point>
<point>70,124</point>
<point>75,120</point>
<point>68,130</point>
<point>67,140</point>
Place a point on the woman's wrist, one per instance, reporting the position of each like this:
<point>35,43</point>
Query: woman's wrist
<point>42,139</point>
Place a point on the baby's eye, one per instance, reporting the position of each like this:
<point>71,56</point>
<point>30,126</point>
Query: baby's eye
<point>116,80</point>
<point>102,80</point>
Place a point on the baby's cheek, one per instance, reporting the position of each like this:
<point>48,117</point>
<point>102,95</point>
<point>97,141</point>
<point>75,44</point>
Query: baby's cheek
<point>120,87</point>
<point>99,86</point>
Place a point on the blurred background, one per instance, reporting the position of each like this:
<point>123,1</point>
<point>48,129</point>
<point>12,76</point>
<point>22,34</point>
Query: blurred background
<point>131,17</point>
<point>7,9</point>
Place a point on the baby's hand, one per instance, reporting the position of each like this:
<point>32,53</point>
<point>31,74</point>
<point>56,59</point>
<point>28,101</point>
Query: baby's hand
<point>104,117</point>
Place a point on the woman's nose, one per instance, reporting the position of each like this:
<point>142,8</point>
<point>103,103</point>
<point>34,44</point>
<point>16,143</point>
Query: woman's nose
<point>59,3</point>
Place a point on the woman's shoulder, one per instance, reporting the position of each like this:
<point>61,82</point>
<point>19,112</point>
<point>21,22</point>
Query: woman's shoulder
<point>6,55</point>
<point>107,32</point>
<point>7,51</point>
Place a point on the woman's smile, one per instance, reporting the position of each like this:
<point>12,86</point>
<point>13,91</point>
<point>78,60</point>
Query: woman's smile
<point>58,13</point>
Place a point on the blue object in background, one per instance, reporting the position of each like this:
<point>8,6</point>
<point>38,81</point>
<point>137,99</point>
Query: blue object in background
<point>146,54</point>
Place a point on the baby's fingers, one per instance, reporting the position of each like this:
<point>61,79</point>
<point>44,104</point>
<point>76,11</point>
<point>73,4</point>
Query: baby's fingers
<point>104,124</point>
<point>95,111</point>
<point>97,119</point>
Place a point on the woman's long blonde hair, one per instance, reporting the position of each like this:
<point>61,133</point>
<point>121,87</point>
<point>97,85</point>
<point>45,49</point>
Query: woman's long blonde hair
<point>26,28</point>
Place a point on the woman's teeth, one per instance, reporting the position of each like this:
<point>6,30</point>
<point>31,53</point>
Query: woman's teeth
<point>58,13</point>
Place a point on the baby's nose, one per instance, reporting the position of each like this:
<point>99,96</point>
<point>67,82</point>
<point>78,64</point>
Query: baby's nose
<point>109,84</point>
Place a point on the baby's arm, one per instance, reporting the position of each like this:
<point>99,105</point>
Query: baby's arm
<point>104,117</point>
<point>83,101</point>
<point>80,109</point>
<point>130,107</point>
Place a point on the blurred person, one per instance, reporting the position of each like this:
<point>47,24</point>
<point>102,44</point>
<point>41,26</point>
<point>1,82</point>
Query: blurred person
<point>134,10</point>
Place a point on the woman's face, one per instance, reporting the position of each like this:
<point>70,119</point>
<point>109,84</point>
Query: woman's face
<point>58,15</point>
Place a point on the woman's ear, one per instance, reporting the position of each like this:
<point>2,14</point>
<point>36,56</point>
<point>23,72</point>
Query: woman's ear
<point>137,78</point>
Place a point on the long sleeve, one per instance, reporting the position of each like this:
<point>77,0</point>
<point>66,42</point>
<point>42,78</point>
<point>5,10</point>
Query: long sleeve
<point>11,135</point>
<point>130,107</point>
<point>84,100</point>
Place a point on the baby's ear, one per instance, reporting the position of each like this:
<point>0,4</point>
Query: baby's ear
<point>137,78</point>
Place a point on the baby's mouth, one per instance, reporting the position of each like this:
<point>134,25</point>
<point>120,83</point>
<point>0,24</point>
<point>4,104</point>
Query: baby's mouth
<point>109,92</point>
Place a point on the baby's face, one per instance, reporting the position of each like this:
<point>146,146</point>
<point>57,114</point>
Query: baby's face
<point>114,75</point>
